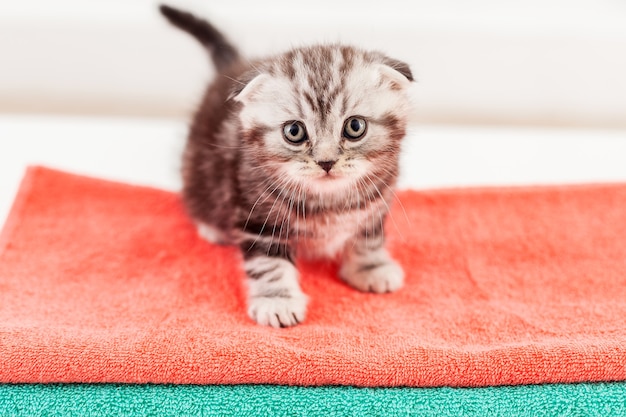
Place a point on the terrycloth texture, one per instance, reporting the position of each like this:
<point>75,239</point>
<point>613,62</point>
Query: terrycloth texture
<point>601,400</point>
<point>105,282</point>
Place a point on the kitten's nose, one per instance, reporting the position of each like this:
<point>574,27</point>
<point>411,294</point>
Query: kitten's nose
<point>326,165</point>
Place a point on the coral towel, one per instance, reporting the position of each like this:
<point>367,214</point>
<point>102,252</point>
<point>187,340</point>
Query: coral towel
<point>107,282</point>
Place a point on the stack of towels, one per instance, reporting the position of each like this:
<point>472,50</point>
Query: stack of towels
<point>514,304</point>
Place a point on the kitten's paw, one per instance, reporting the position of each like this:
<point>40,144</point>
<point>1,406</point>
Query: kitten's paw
<point>279,311</point>
<point>380,277</point>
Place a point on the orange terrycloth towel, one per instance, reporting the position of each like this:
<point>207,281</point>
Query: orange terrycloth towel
<point>108,282</point>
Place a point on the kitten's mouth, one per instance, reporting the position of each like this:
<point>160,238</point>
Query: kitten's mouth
<point>331,179</point>
<point>329,183</point>
<point>329,176</point>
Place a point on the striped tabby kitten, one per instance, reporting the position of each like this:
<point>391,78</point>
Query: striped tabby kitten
<point>296,155</point>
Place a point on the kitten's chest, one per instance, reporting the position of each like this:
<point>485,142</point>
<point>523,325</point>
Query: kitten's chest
<point>326,234</point>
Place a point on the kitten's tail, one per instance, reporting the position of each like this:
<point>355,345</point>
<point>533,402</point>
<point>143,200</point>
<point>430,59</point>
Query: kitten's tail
<point>223,53</point>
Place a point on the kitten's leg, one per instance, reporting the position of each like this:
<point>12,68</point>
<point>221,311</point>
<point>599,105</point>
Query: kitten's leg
<point>274,298</point>
<point>367,266</point>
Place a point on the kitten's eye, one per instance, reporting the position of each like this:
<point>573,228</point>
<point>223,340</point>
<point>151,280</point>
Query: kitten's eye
<point>294,132</point>
<point>354,128</point>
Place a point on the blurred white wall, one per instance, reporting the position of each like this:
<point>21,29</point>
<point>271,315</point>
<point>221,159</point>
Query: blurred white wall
<point>550,62</point>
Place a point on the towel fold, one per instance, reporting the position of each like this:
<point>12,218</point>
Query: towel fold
<point>83,400</point>
<point>108,282</point>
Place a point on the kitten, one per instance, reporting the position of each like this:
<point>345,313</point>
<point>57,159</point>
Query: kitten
<point>296,154</point>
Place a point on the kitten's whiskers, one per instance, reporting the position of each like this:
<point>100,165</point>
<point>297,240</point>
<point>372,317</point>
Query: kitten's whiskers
<point>286,214</point>
<point>276,183</point>
<point>399,202</point>
<point>269,213</point>
<point>216,145</point>
<point>385,203</point>
<point>234,80</point>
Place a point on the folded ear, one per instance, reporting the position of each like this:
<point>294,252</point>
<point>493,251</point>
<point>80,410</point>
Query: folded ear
<point>400,66</point>
<point>250,88</point>
<point>396,73</point>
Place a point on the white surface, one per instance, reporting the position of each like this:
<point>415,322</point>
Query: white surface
<point>559,62</point>
<point>147,151</point>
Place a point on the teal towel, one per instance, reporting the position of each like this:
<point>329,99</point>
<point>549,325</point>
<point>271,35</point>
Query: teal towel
<point>60,400</point>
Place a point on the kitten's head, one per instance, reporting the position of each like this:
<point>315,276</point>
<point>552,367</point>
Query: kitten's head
<point>326,117</point>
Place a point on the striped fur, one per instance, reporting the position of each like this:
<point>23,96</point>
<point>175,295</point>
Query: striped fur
<point>326,197</point>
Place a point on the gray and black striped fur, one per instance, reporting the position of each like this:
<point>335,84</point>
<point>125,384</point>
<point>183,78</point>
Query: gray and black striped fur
<point>296,155</point>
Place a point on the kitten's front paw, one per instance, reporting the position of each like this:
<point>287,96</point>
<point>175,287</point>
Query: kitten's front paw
<point>279,311</point>
<point>378,277</point>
